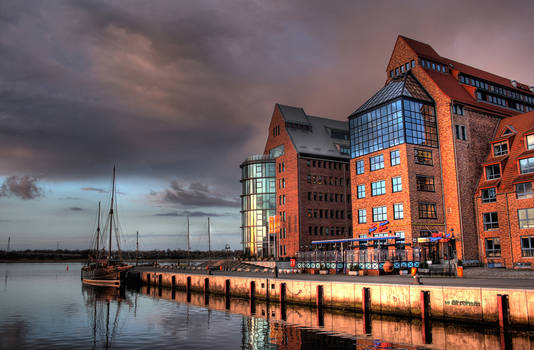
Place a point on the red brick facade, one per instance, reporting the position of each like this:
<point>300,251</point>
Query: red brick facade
<point>457,161</point>
<point>508,251</point>
<point>298,174</point>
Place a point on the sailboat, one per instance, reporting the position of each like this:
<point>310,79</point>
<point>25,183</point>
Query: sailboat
<point>102,268</point>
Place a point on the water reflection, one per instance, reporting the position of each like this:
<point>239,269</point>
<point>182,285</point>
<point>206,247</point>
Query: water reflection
<point>104,307</point>
<point>300,327</point>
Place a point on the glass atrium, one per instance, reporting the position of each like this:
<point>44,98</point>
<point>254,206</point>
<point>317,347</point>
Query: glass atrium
<point>401,112</point>
<point>258,202</point>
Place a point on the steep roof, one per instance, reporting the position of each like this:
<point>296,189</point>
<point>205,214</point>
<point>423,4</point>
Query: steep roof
<point>319,136</point>
<point>404,86</point>
<point>453,88</point>
<point>522,124</point>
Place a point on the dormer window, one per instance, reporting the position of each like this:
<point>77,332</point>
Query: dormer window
<point>508,131</point>
<point>500,148</point>
<point>493,172</point>
<point>530,141</point>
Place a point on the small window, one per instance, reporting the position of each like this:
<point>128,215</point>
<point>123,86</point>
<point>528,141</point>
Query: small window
<point>526,218</point>
<point>362,216</point>
<point>489,195</point>
<point>500,148</point>
<point>394,157</point>
<point>526,165</point>
<point>380,214</point>
<point>493,172</point>
<point>413,63</point>
<point>396,184</point>
<point>427,211</point>
<point>378,188</point>
<point>523,190</point>
<point>493,247</point>
<point>423,157</point>
<point>360,167</point>
<point>490,220</point>
<point>460,132</point>
<point>527,246</point>
<point>530,141</point>
<point>377,162</point>
<point>458,109</point>
<point>391,73</point>
<point>425,183</point>
<point>398,211</point>
<point>361,191</point>
<point>397,71</point>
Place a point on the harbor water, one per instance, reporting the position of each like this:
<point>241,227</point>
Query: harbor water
<point>44,305</point>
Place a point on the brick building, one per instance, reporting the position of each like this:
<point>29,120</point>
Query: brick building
<point>312,178</point>
<point>505,201</point>
<point>418,144</point>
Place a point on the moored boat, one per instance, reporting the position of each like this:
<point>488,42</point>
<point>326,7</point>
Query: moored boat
<point>102,269</point>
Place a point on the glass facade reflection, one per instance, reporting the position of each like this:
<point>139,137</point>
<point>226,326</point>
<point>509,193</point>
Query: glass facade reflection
<point>401,112</point>
<point>258,202</point>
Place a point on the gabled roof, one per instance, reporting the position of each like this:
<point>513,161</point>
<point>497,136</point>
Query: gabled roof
<point>316,138</point>
<point>404,86</point>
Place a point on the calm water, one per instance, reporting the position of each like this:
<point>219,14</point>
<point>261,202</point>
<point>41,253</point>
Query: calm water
<point>45,306</point>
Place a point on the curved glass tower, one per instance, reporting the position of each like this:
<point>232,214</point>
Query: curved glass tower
<point>258,202</point>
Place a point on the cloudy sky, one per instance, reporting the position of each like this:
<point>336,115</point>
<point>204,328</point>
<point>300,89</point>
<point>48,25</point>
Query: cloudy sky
<point>178,93</point>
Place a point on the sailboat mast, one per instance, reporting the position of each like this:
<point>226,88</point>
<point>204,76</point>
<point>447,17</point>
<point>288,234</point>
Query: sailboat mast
<point>111,213</point>
<point>137,249</point>
<point>98,233</point>
<point>209,241</point>
<point>188,243</point>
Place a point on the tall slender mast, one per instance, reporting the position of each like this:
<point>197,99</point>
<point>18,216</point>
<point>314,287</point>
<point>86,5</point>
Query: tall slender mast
<point>137,249</point>
<point>8,243</point>
<point>98,233</point>
<point>111,213</point>
<point>209,241</point>
<point>188,244</point>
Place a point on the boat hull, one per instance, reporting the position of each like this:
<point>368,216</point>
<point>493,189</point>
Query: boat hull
<point>110,276</point>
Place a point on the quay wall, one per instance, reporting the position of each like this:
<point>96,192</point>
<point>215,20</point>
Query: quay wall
<point>470,304</point>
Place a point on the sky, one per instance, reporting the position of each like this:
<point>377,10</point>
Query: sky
<point>177,94</point>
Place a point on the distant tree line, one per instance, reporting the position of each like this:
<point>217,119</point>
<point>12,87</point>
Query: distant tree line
<point>66,254</point>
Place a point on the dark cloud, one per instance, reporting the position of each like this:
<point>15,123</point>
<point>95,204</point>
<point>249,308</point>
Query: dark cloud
<point>189,213</point>
<point>76,209</point>
<point>195,195</point>
<point>23,187</point>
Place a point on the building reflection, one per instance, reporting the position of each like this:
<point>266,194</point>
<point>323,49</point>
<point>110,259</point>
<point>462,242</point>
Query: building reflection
<point>301,327</point>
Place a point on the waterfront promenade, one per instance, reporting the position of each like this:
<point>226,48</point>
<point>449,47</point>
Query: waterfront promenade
<point>478,278</point>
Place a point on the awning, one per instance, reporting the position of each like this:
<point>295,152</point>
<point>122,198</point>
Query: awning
<point>354,240</point>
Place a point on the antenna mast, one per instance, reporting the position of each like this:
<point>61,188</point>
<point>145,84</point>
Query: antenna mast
<point>137,249</point>
<point>111,213</point>
<point>8,243</point>
<point>188,244</point>
<point>209,241</point>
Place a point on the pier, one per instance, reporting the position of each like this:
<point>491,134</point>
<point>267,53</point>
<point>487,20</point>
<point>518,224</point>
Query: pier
<point>505,306</point>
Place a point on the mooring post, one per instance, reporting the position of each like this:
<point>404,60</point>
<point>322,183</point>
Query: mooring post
<point>425,304</point>
<point>504,310</point>
<point>319,296</point>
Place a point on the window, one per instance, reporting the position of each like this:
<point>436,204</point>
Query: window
<point>523,190</point>
<point>427,211</point>
<point>526,165</point>
<point>460,132</point>
<point>489,195</point>
<point>458,109</point>
<point>377,162</point>
<point>527,246</point>
<point>396,184</point>
<point>412,63</point>
<point>380,214</point>
<point>493,247</point>
<point>361,191</point>
<point>378,188</point>
<point>362,216</point>
<point>398,211</point>
<point>425,183</point>
<point>423,157</point>
<point>526,218</point>
<point>530,141</point>
<point>493,172</point>
<point>394,157</point>
<point>360,167</point>
<point>500,148</point>
<point>491,221</point>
